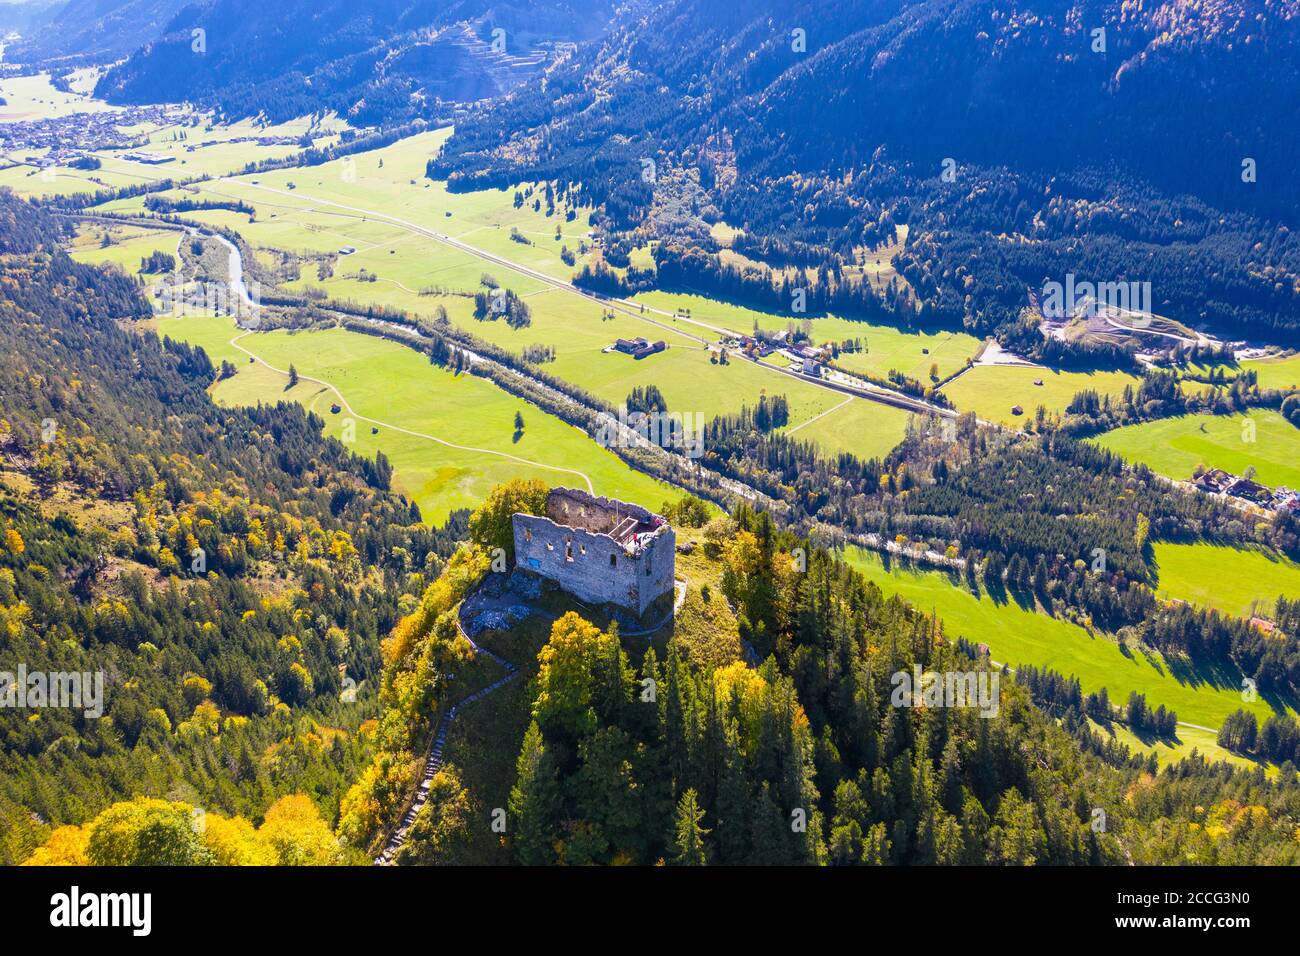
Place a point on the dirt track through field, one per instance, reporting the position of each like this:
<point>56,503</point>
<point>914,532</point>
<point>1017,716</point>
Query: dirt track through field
<point>406,431</point>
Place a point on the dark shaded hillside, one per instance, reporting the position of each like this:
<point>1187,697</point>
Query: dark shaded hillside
<point>378,61</point>
<point>1182,93</point>
<point>982,81</point>
<point>93,31</point>
<point>1124,164</point>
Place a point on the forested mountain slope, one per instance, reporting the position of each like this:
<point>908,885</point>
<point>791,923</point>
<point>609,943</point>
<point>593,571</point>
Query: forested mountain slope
<point>228,572</point>
<point>93,31</point>
<point>619,751</point>
<point>1013,149</point>
<point>378,61</point>
<point>817,86</point>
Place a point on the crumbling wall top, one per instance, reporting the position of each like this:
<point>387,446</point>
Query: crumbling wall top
<point>631,526</point>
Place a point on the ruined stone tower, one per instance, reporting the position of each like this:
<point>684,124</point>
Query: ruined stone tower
<point>600,550</point>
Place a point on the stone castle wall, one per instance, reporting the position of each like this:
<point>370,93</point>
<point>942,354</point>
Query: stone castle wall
<point>573,547</point>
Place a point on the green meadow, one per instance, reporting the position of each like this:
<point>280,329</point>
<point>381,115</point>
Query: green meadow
<point>197,147</point>
<point>404,265</point>
<point>28,180</point>
<point>865,428</point>
<point>354,203</point>
<point>32,97</point>
<point>1168,752</point>
<point>129,245</point>
<point>1281,373</point>
<point>1175,446</point>
<point>886,347</point>
<point>990,391</point>
<point>1233,580</point>
<point>1017,635</point>
<point>390,181</point>
<point>397,387</point>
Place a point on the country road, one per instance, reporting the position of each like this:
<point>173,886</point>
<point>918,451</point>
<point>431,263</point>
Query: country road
<point>869,391</point>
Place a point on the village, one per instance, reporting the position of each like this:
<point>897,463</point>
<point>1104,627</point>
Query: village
<point>1216,481</point>
<point>810,359</point>
<point>68,140</point>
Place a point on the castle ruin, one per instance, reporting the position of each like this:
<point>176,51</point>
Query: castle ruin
<point>600,550</point>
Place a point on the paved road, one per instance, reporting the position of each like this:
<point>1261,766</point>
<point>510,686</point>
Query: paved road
<point>638,311</point>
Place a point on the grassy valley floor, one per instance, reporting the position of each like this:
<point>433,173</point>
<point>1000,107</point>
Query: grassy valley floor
<point>991,391</point>
<point>1232,580</point>
<point>1175,446</point>
<point>396,386</point>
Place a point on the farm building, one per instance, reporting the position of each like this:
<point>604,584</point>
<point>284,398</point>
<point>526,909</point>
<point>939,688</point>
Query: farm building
<point>638,348</point>
<point>1214,480</point>
<point>152,159</point>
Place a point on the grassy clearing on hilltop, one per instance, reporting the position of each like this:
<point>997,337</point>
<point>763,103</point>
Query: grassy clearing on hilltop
<point>1232,580</point>
<point>396,385</point>
<point>1175,446</point>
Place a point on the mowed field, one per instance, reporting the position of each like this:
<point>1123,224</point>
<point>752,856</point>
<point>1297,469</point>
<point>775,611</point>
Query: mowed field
<point>990,391</point>
<point>198,147</point>
<point>1233,580</point>
<point>391,181</point>
<point>1180,748</point>
<point>31,181</point>
<point>1281,373</point>
<point>201,147</point>
<point>129,246</point>
<point>416,403</point>
<point>32,97</point>
<point>865,428</point>
<point>1175,446</point>
<point>1017,635</point>
<point>886,348</point>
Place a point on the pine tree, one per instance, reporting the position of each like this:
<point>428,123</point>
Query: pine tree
<point>688,840</point>
<point>769,833</point>
<point>734,799</point>
<point>534,801</point>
